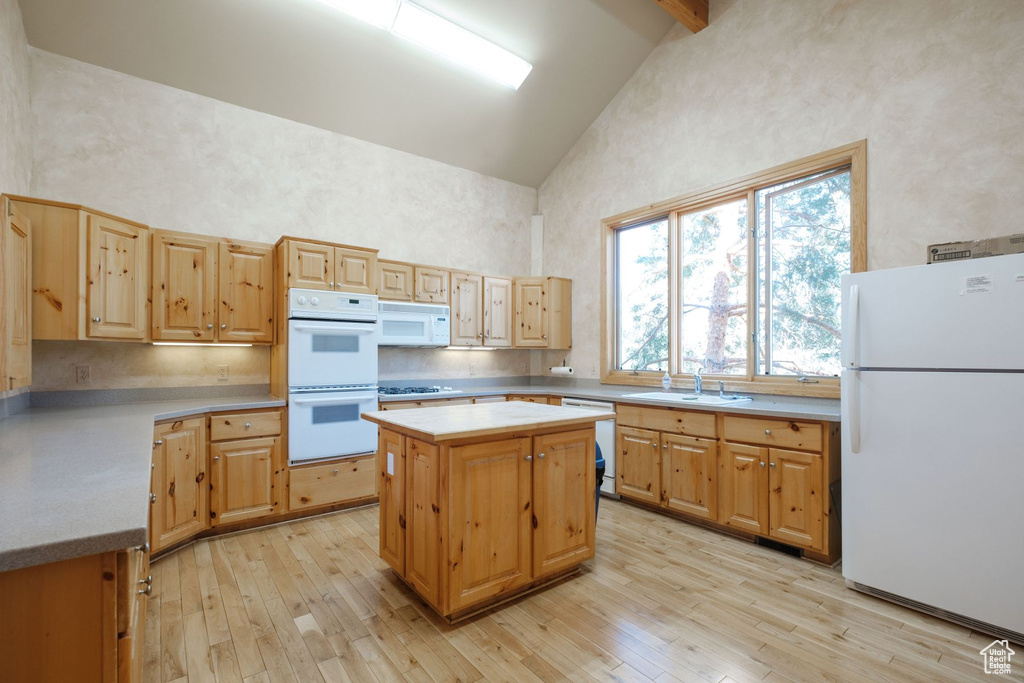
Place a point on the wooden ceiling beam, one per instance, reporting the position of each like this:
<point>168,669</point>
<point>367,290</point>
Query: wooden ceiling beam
<point>693,14</point>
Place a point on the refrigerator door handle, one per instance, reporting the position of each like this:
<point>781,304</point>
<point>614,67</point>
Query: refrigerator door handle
<point>853,376</point>
<point>853,328</point>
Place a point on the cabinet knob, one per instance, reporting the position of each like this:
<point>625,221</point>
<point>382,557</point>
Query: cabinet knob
<point>664,446</point>
<point>248,425</point>
<point>332,285</point>
<point>216,458</point>
<point>95,318</point>
<point>223,327</point>
<point>543,336</point>
<point>767,431</point>
<point>144,548</point>
<point>335,471</point>
<point>654,443</point>
<point>529,457</point>
<point>158,442</point>
<point>209,326</point>
<point>148,590</point>
<point>152,498</point>
<point>540,455</point>
<point>761,462</point>
<point>771,465</point>
<point>148,580</point>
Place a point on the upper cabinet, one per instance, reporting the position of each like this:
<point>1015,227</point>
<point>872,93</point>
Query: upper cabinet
<point>210,290</point>
<point>394,280</point>
<point>15,299</point>
<point>467,310</point>
<point>431,285</point>
<point>543,313</point>
<point>319,265</point>
<point>497,311</point>
<point>90,273</point>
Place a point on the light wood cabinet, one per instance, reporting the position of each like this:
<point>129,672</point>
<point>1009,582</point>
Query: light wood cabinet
<point>246,292</point>
<point>638,462</point>
<point>563,487</point>
<point>467,310</point>
<point>394,280</point>
<point>243,475</point>
<point>15,299</point>
<point>179,499</point>
<point>430,285</point>
<point>497,303</point>
<point>347,480</point>
<point>335,267</point>
<point>423,541</point>
<point>795,494</point>
<point>391,464</point>
<point>688,481</point>
<point>490,520</point>
<point>743,483</point>
<point>117,278</point>
<point>184,287</point>
<point>542,313</point>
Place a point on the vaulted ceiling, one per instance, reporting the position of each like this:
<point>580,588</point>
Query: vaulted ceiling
<point>305,61</point>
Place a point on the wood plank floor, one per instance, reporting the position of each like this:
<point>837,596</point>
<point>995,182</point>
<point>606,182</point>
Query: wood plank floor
<point>310,601</point>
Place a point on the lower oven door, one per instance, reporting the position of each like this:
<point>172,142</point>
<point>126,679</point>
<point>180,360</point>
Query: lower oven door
<point>326,424</point>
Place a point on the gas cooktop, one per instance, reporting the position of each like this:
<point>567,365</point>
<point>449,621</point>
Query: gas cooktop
<point>404,391</point>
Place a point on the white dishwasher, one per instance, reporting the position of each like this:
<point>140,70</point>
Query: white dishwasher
<point>605,439</point>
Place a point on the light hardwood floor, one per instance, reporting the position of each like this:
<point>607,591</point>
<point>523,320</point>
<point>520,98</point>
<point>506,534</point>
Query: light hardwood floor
<point>663,600</point>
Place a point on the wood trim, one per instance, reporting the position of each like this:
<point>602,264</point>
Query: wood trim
<point>286,238</point>
<point>77,207</point>
<point>693,14</point>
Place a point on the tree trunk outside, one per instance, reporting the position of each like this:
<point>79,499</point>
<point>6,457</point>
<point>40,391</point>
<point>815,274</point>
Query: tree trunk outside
<point>718,320</point>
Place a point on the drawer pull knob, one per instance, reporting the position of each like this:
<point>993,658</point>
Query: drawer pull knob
<point>762,462</point>
<point>772,465</point>
<point>335,471</point>
<point>223,327</point>
<point>152,498</point>
<point>148,590</point>
<point>144,548</point>
<point>540,455</point>
<point>158,442</point>
<point>248,424</point>
<point>209,326</point>
<point>216,458</point>
<point>332,285</point>
<point>148,580</point>
<point>768,431</point>
<point>664,445</point>
<point>529,457</point>
<point>95,318</point>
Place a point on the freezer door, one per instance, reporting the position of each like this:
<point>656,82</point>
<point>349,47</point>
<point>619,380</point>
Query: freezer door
<point>931,505</point>
<point>960,315</point>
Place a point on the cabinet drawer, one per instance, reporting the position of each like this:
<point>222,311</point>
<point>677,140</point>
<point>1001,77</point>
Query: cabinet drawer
<point>402,405</point>
<point>312,487</point>
<point>244,425</point>
<point>667,420</point>
<point>806,436</point>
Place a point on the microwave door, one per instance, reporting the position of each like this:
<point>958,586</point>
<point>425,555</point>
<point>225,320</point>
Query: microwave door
<point>404,331</point>
<point>324,353</point>
<point>328,425</point>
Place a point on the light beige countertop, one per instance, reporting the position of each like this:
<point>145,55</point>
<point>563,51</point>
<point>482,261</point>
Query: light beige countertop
<point>444,423</point>
<point>75,481</point>
<point>792,407</point>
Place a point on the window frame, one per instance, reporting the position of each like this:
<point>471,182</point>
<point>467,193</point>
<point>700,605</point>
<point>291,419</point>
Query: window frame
<point>853,155</point>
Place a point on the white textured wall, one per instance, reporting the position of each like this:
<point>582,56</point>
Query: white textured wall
<point>177,160</point>
<point>935,86</point>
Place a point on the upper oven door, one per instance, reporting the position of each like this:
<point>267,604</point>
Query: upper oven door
<point>327,353</point>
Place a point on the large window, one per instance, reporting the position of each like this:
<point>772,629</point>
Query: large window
<point>741,281</point>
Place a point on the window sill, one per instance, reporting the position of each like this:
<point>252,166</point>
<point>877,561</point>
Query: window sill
<point>826,387</point>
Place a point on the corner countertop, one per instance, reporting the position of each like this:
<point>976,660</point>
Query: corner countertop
<point>791,407</point>
<point>75,481</point>
<point>444,423</point>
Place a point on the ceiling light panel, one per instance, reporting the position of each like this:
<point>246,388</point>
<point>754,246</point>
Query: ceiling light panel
<point>380,13</point>
<point>459,45</point>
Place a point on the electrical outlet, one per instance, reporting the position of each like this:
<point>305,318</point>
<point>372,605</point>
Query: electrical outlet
<point>83,374</point>
<point>472,368</point>
<point>222,372</point>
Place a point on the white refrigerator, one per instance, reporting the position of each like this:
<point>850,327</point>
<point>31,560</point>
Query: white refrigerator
<point>933,439</point>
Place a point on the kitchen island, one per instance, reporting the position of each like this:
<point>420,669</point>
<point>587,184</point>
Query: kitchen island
<point>481,503</point>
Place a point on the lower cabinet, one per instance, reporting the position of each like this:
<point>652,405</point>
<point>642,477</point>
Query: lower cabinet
<point>795,497</point>
<point>319,485</point>
<point>638,463</point>
<point>744,487</point>
<point>688,482</point>
<point>178,498</point>
<point>242,479</point>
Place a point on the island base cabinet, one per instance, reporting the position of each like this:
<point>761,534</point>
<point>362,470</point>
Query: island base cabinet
<point>564,482</point>
<point>423,537</point>
<point>490,520</point>
<point>391,463</point>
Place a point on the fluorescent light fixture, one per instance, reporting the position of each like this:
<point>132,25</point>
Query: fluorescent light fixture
<point>470,348</point>
<point>209,346</point>
<point>459,45</point>
<point>380,13</point>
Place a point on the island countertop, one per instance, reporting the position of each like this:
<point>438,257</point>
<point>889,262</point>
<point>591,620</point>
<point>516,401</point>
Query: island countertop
<point>447,423</point>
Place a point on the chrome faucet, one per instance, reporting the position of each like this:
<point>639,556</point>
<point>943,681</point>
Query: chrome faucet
<point>697,382</point>
<point>721,389</point>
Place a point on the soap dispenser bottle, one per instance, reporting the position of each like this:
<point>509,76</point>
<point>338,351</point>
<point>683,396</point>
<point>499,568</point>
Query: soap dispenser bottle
<point>666,382</point>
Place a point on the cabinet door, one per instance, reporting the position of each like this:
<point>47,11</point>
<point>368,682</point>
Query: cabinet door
<point>117,282</point>
<point>423,530</point>
<point>688,481</point>
<point>394,280</point>
<point>391,462</point>
<point>354,270</point>
<point>242,479</point>
<point>16,293</point>
<point>795,497</point>
<point>497,311</point>
<point>490,520</point>
<point>246,293</point>
<point>184,287</point>
<point>743,487</point>
<point>638,464</point>
<point>531,319</point>
<point>467,307</point>
<point>431,285</point>
<point>310,265</point>
<point>564,487</point>
<point>179,504</point>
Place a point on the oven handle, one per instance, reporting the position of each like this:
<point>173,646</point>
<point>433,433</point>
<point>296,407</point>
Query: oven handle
<point>340,401</point>
<point>344,329</point>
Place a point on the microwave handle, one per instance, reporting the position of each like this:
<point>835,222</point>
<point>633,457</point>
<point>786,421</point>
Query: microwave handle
<point>339,401</point>
<point>342,329</point>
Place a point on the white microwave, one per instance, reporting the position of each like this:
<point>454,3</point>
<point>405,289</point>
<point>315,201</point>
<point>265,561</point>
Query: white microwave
<point>402,324</point>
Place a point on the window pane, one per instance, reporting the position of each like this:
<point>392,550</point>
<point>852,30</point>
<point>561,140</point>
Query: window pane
<point>713,290</point>
<point>803,251</point>
<point>642,298</point>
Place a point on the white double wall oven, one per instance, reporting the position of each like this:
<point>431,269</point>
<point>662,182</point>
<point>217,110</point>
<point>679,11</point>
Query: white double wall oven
<point>332,374</point>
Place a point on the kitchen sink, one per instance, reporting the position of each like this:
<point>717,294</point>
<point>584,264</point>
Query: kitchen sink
<point>703,399</point>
